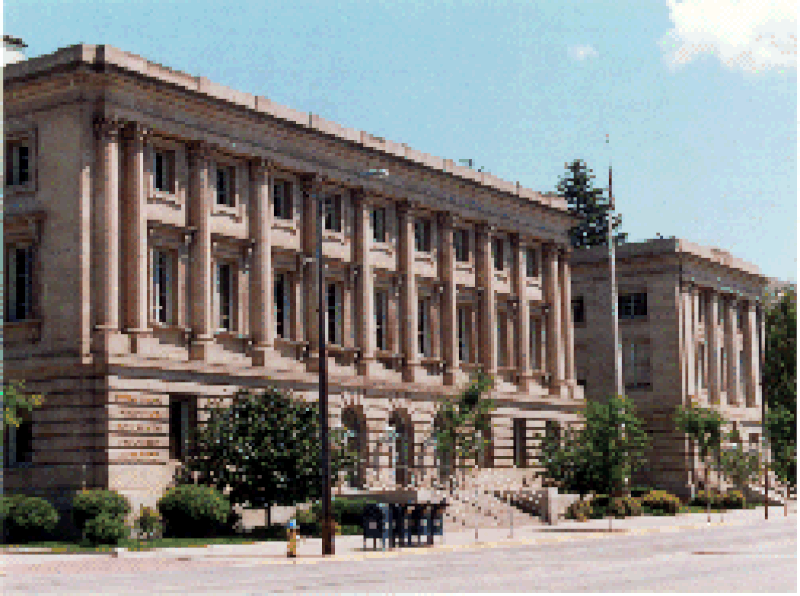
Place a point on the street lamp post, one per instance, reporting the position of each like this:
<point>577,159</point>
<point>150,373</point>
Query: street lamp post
<point>764,433</point>
<point>325,456</point>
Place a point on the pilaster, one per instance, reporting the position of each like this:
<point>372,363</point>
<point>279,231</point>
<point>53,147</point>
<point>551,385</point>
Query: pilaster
<point>712,335</point>
<point>135,238</point>
<point>555,343</point>
<point>200,261</point>
<point>522,320</point>
<point>732,350</point>
<point>408,294</point>
<point>567,326</point>
<point>487,317</point>
<point>448,304</point>
<point>262,322</point>
<point>365,287</point>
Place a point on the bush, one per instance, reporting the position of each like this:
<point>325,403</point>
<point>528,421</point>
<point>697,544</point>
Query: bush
<point>621,507</point>
<point>640,491</point>
<point>662,502</point>
<point>105,529</point>
<point>89,504</point>
<point>579,510</point>
<point>193,511</point>
<point>148,523</point>
<point>28,519</point>
<point>733,499</point>
<point>705,498</point>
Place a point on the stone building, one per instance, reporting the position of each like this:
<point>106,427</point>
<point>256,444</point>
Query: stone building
<point>160,241</point>
<point>688,327</point>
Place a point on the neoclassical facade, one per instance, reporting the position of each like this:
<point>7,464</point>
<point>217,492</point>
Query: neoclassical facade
<point>689,331</point>
<point>160,241</point>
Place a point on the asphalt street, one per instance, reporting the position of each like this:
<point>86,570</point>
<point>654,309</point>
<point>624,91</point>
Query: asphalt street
<point>758,556</point>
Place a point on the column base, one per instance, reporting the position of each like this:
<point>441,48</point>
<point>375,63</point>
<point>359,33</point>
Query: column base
<point>108,341</point>
<point>260,355</point>
<point>200,348</point>
<point>412,372</point>
<point>525,382</point>
<point>367,366</point>
<point>560,390</point>
<point>141,340</point>
<point>312,363</point>
<point>449,376</point>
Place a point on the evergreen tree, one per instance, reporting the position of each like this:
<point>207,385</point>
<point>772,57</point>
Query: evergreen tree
<point>590,204</point>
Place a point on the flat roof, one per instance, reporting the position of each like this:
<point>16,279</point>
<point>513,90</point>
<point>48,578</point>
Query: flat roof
<point>660,246</point>
<point>109,55</point>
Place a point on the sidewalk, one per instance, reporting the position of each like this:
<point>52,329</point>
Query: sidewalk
<point>352,547</point>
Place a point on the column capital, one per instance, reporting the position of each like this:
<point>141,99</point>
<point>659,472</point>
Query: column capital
<point>260,167</point>
<point>107,128</point>
<point>445,219</point>
<point>137,132</point>
<point>310,180</point>
<point>198,151</point>
<point>404,208</point>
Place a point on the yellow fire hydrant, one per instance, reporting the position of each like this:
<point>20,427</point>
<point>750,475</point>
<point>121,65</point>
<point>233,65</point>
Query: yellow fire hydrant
<point>291,546</point>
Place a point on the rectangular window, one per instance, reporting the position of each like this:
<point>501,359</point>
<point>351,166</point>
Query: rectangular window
<point>578,311</point>
<point>17,164</point>
<point>378,221</point>
<point>497,253</point>
<point>739,317</point>
<point>463,334</point>
<point>636,365</point>
<point>740,372</point>
<point>282,199</point>
<point>334,319</point>
<point>225,295</point>
<point>163,170</point>
<point>225,186</point>
<point>423,327</point>
<point>282,302</point>
<point>531,263</point>
<point>18,449</point>
<point>422,235</point>
<point>461,245</point>
<point>381,317</point>
<point>333,213</point>
<point>701,366</point>
<point>533,342</point>
<point>19,283</point>
<point>633,306</point>
<point>520,442</point>
<point>723,357</point>
<point>502,340</point>
<point>162,287</point>
<point>182,422</point>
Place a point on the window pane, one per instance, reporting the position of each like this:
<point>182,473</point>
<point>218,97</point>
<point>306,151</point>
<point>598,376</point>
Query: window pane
<point>531,263</point>
<point>23,164</point>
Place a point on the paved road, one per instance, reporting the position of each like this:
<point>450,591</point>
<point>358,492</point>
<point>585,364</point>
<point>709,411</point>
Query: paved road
<point>758,556</point>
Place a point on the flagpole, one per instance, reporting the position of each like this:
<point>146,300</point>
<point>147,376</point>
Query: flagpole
<point>613,282</point>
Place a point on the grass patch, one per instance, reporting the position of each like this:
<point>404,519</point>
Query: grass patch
<point>136,544</point>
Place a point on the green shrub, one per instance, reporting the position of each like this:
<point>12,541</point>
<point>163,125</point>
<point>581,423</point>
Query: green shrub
<point>29,519</point>
<point>705,498</point>
<point>639,491</point>
<point>345,511</point>
<point>733,499</point>
<point>579,510</point>
<point>7,503</point>
<point>193,511</point>
<point>621,507</point>
<point>148,523</point>
<point>91,503</point>
<point>662,502</point>
<point>106,528</point>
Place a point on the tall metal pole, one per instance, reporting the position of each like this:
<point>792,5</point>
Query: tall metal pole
<point>614,302</point>
<point>764,433</point>
<point>325,464</point>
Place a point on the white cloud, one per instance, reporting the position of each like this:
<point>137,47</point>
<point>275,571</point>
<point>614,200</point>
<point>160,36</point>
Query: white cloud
<point>583,52</point>
<point>752,35</point>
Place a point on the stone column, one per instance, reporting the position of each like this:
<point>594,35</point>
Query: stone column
<point>135,239</point>
<point>689,340</point>
<point>697,305</point>
<point>732,349</point>
<point>408,294</point>
<point>448,300</point>
<point>487,341</point>
<point>200,202</point>
<point>365,288</point>
<point>311,196</point>
<point>712,332</point>
<point>567,325</point>
<point>262,323</point>
<point>297,310</point>
<point>522,321</point>
<point>106,247</point>
<point>555,344</point>
<point>751,363</point>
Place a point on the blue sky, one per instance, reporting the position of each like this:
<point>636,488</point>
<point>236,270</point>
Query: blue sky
<point>699,98</point>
